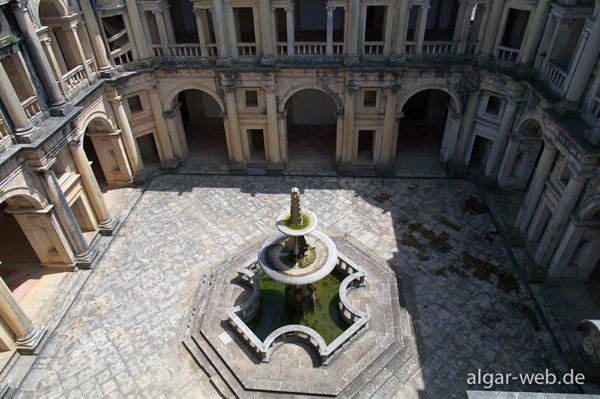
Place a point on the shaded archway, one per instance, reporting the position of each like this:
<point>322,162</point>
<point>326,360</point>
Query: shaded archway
<point>311,129</point>
<point>32,244</point>
<point>522,155</point>
<point>201,117</point>
<point>421,131</point>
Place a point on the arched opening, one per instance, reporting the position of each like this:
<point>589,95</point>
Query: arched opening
<point>528,155</point>
<point>70,48</point>
<point>28,242</point>
<point>421,131</point>
<point>92,154</point>
<point>311,127</point>
<point>204,128</point>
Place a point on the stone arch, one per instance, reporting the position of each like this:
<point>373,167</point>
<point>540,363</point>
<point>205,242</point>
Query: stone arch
<point>171,95</point>
<point>28,194</point>
<point>336,99</point>
<point>526,119</point>
<point>51,9</point>
<point>456,101</point>
<point>98,117</point>
<point>300,126</point>
<point>109,162</point>
<point>590,208</point>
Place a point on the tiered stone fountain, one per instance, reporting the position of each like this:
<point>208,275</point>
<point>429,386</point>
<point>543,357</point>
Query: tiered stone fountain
<point>298,256</point>
<point>311,298</point>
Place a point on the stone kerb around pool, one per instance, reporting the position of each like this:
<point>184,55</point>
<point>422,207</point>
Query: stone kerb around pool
<point>244,312</point>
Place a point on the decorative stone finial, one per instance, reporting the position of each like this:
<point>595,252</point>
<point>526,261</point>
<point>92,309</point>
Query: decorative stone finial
<point>296,208</point>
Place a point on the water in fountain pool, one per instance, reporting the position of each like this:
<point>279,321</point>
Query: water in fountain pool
<point>325,318</point>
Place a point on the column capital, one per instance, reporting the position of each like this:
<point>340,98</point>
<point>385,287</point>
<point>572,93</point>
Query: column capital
<point>21,5</point>
<point>46,167</point>
<point>330,7</point>
<point>350,87</point>
<point>76,140</point>
<point>393,89</point>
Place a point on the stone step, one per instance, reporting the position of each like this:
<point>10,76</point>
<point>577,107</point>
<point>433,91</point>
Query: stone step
<point>224,373</point>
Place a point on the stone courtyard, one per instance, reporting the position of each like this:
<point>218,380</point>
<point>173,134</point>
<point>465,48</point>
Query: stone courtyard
<point>122,336</point>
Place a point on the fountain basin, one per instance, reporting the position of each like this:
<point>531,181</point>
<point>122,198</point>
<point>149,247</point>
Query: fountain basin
<point>240,316</point>
<point>309,222</point>
<point>270,253</point>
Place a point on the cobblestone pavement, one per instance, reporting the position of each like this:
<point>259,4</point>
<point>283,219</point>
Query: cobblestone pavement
<point>121,337</point>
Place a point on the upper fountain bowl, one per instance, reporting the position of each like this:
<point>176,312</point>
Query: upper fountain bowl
<point>284,224</point>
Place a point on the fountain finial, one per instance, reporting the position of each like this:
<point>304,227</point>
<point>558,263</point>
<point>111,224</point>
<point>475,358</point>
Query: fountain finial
<point>296,208</point>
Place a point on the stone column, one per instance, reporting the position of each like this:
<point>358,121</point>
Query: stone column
<point>133,152</point>
<point>348,155</point>
<point>266,33</point>
<point>289,24</point>
<point>104,65</point>
<point>551,44</point>
<point>162,32</point>
<point>585,67</point>
<point>399,49</point>
<point>168,157</point>
<point>482,25</point>
<point>463,33</point>
<point>169,24</point>
<point>86,67</point>
<point>499,147</point>
<point>585,35</point>
<point>219,23</point>
<point>558,221</point>
<point>390,127</point>
<point>451,132</point>
<point>200,15</point>
<point>566,249</point>
<point>179,146</point>
<point>351,59</point>
<point>491,28</point>
<point>536,187</point>
<point>532,40</point>
<point>137,30</point>
<point>84,254</point>
<point>329,46</point>
<point>283,142</point>
<point>47,46</point>
<point>234,142</point>
<point>107,223</point>
<point>273,151</point>
<point>16,113</point>
<point>466,126</point>
<point>421,27</point>
<point>28,334</point>
<point>58,104</point>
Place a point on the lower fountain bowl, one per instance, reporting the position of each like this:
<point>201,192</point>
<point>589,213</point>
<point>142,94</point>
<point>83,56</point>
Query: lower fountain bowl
<point>323,264</point>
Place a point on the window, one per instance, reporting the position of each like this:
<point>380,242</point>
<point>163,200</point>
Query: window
<point>251,99</point>
<point>135,105</point>
<point>370,99</point>
<point>493,105</point>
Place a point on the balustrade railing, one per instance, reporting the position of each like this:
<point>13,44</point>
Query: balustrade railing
<point>595,106</point>
<point>338,48</point>
<point>75,77</point>
<point>158,50</point>
<point>507,54</point>
<point>281,48</point>
<point>211,48</point>
<point>555,76</point>
<point>411,47</point>
<point>4,129</point>
<point>373,48</point>
<point>440,48</point>
<point>310,48</point>
<point>122,55</point>
<point>31,107</point>
<point>246,49</point>
<point>185,50</point>
<point>471,48</point>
